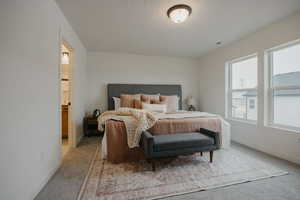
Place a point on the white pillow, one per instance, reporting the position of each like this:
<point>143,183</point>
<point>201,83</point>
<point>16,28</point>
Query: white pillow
<point>117,102</point>
<point>154,107</point>
<point>172,102</point>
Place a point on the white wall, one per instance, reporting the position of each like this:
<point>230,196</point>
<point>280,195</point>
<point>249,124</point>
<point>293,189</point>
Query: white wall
<point>284,144</point>
<point>104,68</point>
<point>29,89</point>
<point>79,76</point>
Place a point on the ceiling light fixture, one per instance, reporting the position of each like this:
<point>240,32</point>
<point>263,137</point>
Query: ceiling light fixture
<point>179,13</point>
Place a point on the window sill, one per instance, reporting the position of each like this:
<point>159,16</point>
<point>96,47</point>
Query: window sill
<point>243,121</point>
<point>279,127</point>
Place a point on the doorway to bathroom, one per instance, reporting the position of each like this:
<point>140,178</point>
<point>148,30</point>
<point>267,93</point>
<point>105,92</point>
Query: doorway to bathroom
<point>66,97</point>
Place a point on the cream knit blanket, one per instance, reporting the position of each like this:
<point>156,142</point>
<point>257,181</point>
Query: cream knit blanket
<point>136,121</point>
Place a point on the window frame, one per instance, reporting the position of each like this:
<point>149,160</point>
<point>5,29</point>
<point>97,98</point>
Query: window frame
<point>270,90</point>
<point>229,91</point>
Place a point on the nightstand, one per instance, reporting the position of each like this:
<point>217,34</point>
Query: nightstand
<point>90,127</point>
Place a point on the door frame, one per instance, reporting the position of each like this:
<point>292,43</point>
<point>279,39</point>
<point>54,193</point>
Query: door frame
<point>71,135</point>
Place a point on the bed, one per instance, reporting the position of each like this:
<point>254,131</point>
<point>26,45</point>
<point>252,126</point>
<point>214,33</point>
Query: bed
<point>114,144</point>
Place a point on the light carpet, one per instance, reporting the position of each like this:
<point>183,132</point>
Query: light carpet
<point>184,174</point>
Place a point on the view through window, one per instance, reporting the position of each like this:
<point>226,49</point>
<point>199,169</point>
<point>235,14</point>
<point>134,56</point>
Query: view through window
<point>243,88</point>
<point>285,85</point>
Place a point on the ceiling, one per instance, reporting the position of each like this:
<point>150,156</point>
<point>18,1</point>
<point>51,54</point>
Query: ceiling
<point>142,26</point>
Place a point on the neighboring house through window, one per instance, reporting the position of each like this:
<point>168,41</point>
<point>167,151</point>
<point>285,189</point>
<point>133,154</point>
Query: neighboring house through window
<point>252,103</point>
<point>242,88</point>
<point>284,86</point>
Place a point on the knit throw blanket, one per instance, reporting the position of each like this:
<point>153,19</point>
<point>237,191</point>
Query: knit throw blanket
<point>136,121</point>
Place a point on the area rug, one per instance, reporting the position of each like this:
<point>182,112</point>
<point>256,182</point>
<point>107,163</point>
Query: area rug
<point>131,181</point>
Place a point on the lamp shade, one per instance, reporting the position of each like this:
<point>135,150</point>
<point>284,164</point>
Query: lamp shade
<point>191,101</point>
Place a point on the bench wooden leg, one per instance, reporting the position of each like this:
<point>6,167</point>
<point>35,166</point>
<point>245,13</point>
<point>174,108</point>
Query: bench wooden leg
<point>153,165</point>
<point>201,153</point>
<point>211,155</point>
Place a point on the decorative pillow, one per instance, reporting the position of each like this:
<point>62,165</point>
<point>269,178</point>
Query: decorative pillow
<point>158,102</point>
<point>137,104</point>
<point>147,98</point>
<point>117,102</point>
<point>171,101</point>
<point>154,107</point>
<point>127,100</point>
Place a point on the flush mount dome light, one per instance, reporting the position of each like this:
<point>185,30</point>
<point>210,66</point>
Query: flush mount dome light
<point>179,13</point>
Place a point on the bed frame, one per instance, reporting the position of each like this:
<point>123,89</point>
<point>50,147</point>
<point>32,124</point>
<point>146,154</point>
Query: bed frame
<point>115,90</point>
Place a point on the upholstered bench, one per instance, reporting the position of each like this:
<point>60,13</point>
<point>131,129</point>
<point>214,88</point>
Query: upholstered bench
<point>169,145</point>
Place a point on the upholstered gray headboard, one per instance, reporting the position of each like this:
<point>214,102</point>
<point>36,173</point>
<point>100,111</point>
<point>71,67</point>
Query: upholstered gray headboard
<point>115,90</point>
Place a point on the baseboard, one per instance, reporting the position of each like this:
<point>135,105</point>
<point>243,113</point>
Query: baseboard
<point>45,181</point>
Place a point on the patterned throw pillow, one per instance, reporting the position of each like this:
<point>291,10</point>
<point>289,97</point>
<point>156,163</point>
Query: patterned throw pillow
<point>127,100</point>
<point>137,104</point>
<point>147,98</point>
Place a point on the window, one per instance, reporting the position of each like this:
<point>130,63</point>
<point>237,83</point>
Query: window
<point>284,86</point>
<point>252,104</point>
<point>242,88</point>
